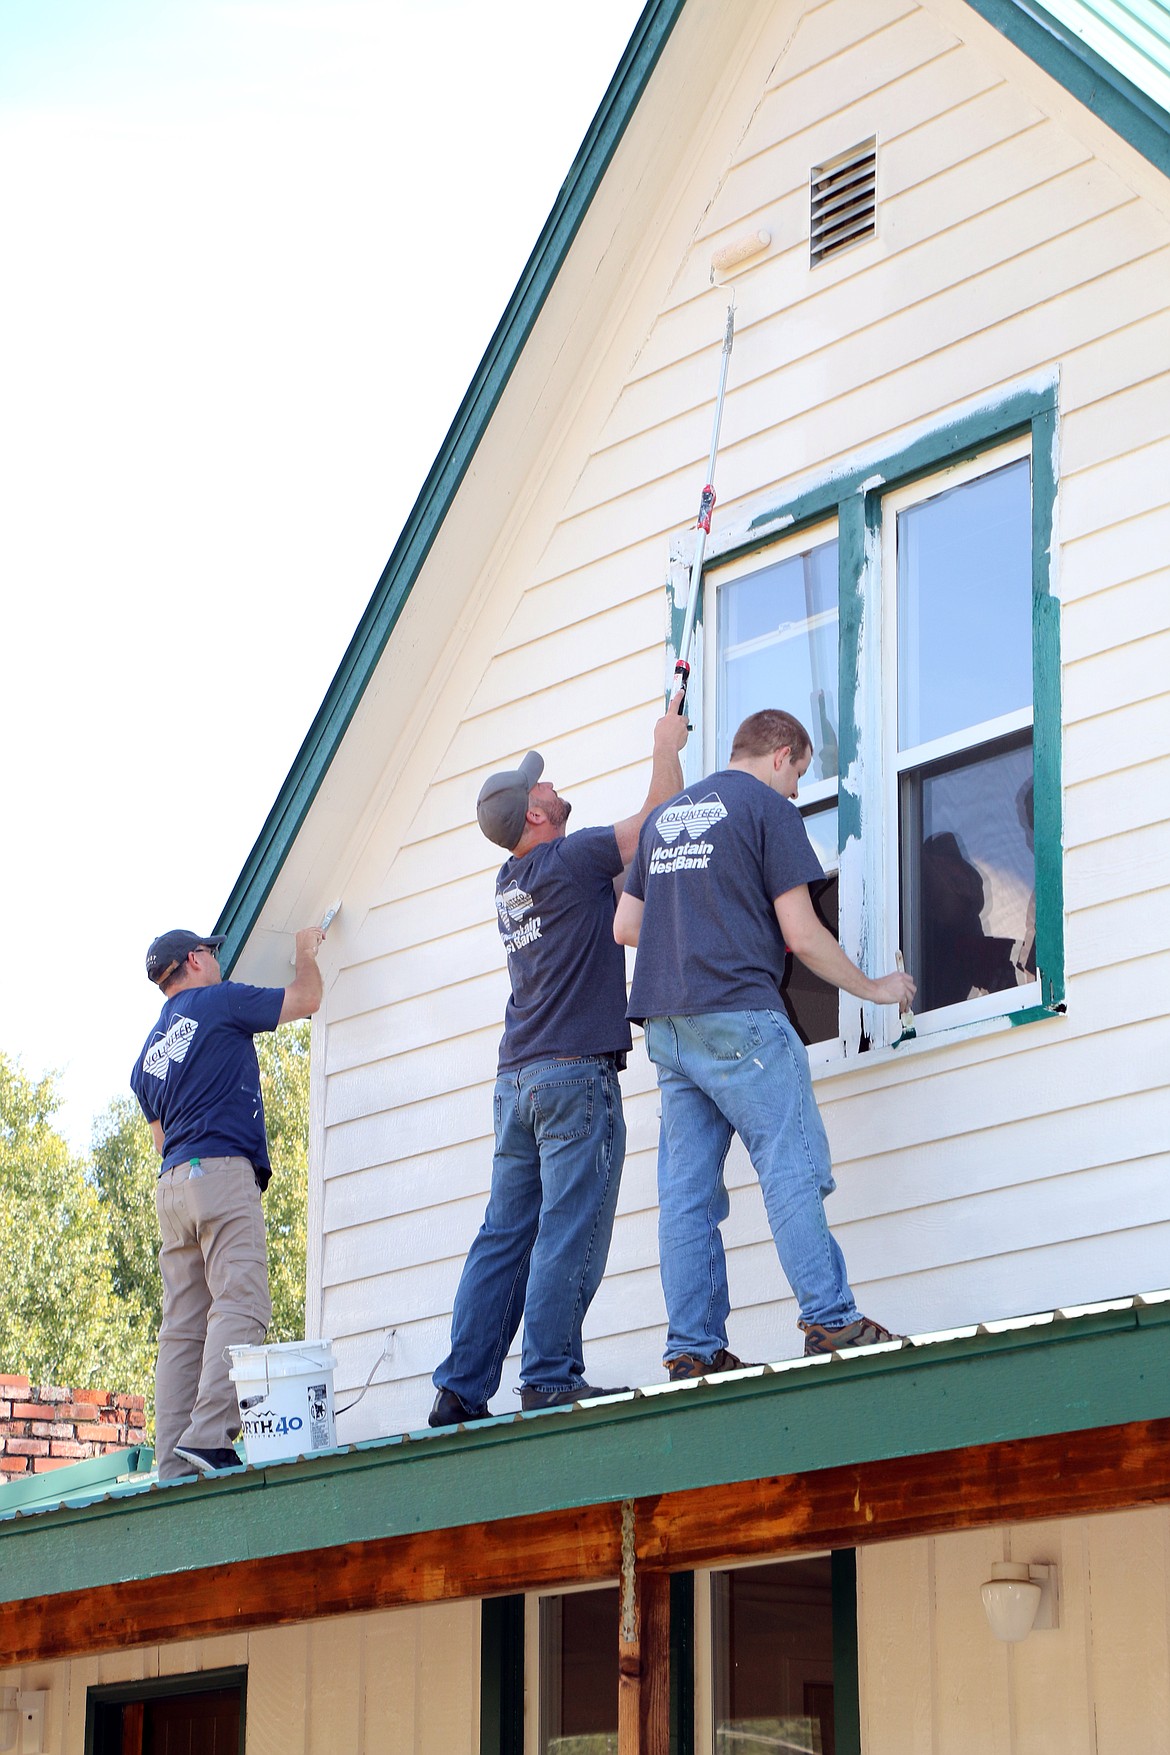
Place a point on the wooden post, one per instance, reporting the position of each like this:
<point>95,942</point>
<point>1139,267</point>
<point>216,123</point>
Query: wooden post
<point>643,1652</point>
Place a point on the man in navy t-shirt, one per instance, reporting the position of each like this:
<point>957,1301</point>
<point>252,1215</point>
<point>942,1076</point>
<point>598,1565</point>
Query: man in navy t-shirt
<point>559,1131</point>
<point>197,1082</point>
<point>716,891</point>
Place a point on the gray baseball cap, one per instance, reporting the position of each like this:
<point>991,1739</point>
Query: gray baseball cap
<point>503,801</point>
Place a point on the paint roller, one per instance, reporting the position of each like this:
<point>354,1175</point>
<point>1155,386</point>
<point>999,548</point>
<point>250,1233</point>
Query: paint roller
<point>723,263</point>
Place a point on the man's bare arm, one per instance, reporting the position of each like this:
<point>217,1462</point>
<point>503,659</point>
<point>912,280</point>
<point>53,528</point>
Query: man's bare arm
<point>627,922</point>
<point>819,951</point>
<point>156,1134</point>
<point>303,994</point>
<point>670,734</point>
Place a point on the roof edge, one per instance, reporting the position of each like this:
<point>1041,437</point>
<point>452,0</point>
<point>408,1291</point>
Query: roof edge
<point>295,798</point>
<point>1103,90</point>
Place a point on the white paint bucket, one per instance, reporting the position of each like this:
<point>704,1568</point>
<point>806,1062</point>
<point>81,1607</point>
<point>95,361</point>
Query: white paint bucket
<point>285,1393</point>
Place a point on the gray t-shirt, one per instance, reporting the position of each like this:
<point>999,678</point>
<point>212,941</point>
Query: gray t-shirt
<point>555,909</point>
<point>708,868</point>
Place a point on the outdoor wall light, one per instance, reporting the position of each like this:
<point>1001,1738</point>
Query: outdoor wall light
<point>1019,1598</point>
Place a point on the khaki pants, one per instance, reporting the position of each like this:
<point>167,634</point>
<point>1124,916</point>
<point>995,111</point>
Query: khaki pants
<point>214,1267</point>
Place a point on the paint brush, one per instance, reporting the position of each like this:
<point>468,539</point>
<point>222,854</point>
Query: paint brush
<point>905,1015</point>
<point>327,919</point>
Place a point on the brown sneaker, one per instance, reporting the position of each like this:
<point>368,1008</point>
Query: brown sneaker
<point>862,1333</point>
<point>690,1365</point>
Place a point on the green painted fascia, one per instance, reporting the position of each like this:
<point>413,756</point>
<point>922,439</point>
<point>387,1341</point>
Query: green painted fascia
<point>262,867</point>
<point>1073,1374</point>
<point>1088,76</point>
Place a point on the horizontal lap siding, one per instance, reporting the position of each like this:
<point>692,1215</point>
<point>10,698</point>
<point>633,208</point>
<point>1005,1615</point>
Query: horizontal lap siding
<point>975,1178</point>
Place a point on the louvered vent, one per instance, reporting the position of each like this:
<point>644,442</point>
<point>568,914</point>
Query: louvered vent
<point>844,201</point>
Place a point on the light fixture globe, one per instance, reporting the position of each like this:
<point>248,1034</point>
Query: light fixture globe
<point>1010,1601</point>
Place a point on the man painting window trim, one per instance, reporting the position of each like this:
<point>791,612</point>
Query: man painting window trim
<point>716,891</point>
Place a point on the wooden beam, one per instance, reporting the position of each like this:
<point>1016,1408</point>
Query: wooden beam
<point>1067,1475</point>
<point>643,1651</point>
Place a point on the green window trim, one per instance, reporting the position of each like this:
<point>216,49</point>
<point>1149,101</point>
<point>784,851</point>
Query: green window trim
<point>501,1686</point>
<point>853,498</point>
<point>846,1686</point>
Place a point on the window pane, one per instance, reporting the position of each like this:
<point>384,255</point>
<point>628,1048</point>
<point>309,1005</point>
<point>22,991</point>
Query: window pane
<point>970,877</point>
<point>778,648</point>
<point>773,1659</point>
<point>965,606</point>
<point>813,1004</point>
<point>579,1673</point>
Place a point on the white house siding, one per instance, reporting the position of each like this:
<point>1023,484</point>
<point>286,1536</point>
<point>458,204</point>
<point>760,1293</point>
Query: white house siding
<point>992,1175</point>
<point>403,1682</point>
<point>935,1682</point>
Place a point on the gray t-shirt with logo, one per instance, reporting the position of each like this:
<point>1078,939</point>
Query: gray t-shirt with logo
<point>555,909</point>
<point>708,869</point>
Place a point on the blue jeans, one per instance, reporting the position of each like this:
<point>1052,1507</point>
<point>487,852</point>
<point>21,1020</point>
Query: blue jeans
<point>747,1073</point>
<point>560,1145</point>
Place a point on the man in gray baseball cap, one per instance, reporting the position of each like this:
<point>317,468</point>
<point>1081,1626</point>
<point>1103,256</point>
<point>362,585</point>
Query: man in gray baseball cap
<point>559,1130</point>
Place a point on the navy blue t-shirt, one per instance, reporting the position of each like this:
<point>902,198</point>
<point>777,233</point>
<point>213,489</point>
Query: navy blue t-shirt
<point>555,908</point>
<point>708,869</point>
<point>199,1076</point>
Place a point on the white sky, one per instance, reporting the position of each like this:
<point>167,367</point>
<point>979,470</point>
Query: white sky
<point>253,252</point>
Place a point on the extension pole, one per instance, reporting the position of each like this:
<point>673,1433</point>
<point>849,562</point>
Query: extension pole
<point>682,670</point>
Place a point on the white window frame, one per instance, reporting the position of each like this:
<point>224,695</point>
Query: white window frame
<point>817,792</point>
<point>895,762</point>
<point>533,1675</point>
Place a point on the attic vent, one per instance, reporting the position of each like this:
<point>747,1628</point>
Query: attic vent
<point>844,201</point>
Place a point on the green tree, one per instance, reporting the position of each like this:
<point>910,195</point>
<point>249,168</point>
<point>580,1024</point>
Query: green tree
<point>61,1320</point>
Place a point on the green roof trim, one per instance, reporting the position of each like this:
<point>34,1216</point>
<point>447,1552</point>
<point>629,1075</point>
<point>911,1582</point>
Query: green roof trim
<point>1093,80</point>
<point>1105,1367</point>
<point>262,867</point>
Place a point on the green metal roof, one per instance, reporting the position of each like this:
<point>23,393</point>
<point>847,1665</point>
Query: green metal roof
<point>1113,55</point>
<point>78,1483</point>
<point>1106,1365</point>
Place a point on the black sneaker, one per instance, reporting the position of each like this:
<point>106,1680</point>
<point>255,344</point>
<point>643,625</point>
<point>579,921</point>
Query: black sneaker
<point>209,1462</point>
<point>688,1365</point>
<point>451,1410</point>
<point>532,1398</point>
<point>862,1333</point>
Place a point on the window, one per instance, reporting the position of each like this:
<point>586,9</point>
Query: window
<point>778,645</point>
<point>200,1714</point>
<point>905,614</point>
<point>578,1670</point>
<point>782,1668</point>
<point>961,560</point>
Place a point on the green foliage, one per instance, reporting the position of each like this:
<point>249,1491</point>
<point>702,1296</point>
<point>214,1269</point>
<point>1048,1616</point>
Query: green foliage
<point>284,1080</point>
<point>61,1320</point>
<point>79,1241</point>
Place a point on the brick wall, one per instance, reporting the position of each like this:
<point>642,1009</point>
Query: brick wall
<point>48,1428</point>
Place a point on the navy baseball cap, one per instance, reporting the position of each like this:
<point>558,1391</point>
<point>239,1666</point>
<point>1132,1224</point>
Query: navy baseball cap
<point>503,801</point>
<point>171,948</point>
